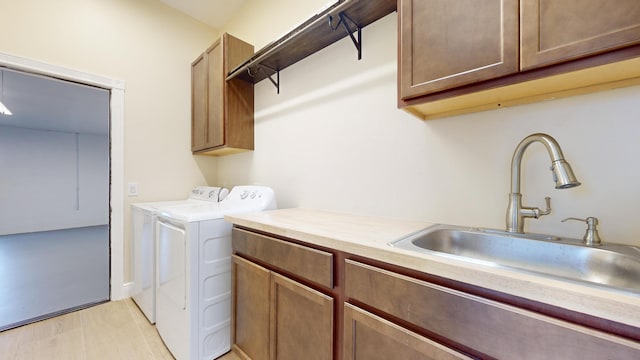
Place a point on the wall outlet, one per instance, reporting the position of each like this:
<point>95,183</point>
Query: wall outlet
<point>132,189</point>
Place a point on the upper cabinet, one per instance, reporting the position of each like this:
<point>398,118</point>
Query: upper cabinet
<point>445,44</point>
<point>221,110</point>
<point>555,31</point>
<point>471,55</point>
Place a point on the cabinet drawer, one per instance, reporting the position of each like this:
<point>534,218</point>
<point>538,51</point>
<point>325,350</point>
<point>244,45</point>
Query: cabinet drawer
<point>311,264</point>
<point>492,329</point>
<point>369,337</point>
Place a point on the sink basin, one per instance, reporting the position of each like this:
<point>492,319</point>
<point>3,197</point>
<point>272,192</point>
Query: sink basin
<point>614,266</point>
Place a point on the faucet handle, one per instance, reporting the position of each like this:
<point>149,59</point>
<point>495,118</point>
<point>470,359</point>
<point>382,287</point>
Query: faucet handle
<point>536,212</point>
<point>547,211</point>
<point>591,237</point>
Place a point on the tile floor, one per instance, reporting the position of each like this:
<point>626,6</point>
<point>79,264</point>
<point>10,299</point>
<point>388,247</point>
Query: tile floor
<point>114,330</point>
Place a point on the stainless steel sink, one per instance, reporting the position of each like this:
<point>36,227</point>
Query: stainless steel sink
<point>614,266</point>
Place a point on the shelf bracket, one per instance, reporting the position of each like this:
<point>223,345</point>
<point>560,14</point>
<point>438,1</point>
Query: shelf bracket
<point>343,20</point>
<point>261,68</point>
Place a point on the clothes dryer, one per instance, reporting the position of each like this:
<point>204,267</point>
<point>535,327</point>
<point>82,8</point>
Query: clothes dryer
<point>193,284</point>
<point>143,224</point>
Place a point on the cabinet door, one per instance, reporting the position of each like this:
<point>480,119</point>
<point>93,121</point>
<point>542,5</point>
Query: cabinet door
<point>555,31</point>
<point>207,99</point>
<point>222,111</point>
<point>199,103</point>
<point>369,337</point>
<point>215,95</point>
<point>301,322</point>
<point>446,44</point>
<point>250,313</point>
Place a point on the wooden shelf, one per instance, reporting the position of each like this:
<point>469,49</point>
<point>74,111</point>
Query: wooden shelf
<point>313,35</point>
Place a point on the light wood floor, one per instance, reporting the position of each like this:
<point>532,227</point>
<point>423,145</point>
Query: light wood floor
<point>114,330</point>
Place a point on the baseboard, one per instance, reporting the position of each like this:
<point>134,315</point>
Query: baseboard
<point>125,292</point>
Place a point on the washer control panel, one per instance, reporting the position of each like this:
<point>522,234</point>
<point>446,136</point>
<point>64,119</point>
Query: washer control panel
<point>208,193</point>
<point>251,196</point>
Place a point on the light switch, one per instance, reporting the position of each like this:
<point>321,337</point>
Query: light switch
<point>132,189</point>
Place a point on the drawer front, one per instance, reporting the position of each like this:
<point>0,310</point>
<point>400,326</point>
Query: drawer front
<point>311,264</point>
<point>369,337</point>
<point>491,328</point>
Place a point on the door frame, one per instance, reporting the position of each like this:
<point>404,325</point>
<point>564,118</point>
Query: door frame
<point>118,288</point>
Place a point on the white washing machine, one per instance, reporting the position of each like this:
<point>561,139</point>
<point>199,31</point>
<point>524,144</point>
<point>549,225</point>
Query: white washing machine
<point>193,286</point>
<point>143,227</point>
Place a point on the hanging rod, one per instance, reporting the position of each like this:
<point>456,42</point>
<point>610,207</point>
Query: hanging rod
<point>343,20</point>
<point>312,36</point>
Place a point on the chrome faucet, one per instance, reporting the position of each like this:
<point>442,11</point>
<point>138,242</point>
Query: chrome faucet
<point>562,175</point>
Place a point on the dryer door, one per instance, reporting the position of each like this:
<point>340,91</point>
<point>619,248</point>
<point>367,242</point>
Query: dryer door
<point>172,253</point>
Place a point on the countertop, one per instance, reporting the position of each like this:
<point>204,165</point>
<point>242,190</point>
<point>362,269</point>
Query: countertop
<point>369,236</point>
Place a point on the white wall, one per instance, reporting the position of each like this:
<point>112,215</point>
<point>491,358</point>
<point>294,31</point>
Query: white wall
<point>147,45</point>
<point>333,139</point>
<point>51,180</point>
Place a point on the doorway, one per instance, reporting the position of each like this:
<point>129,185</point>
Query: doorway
<point>119,288</point>
<point>54,197</point>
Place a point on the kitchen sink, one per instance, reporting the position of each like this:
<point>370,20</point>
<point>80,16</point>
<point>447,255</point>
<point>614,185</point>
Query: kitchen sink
<point>614,266</point>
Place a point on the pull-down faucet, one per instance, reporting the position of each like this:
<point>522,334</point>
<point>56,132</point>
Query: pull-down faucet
<point>562,175</point>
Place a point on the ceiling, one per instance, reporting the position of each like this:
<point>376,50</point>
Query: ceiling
<point>44,103</point>
<point>212,12</point>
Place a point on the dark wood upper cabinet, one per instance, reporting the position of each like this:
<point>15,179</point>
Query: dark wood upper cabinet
<point>199,121</point>
<point>445,44</point>
<point>464,56</point>
<point>555,31</point>
<point>221,111</point>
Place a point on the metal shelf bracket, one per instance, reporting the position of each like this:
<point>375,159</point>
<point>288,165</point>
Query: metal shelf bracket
<point>261,67</point>
<point>343,20</point>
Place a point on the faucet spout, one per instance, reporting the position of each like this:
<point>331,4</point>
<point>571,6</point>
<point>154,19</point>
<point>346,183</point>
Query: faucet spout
<point>562,175</point>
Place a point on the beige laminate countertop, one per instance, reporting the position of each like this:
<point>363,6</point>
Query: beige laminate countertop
<point>369,237</point>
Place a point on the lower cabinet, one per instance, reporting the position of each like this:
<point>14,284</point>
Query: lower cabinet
<point>485,328</point>
<point>370,337</point>
<point>292,301</point>
<point>275,317</point>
